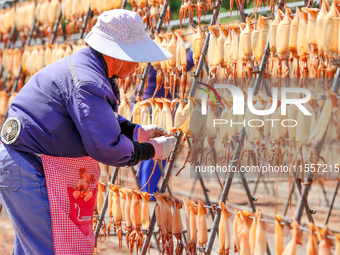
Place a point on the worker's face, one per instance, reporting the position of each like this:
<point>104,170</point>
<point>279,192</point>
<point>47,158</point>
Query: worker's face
<point>122,69</point>
<point>127,69</point>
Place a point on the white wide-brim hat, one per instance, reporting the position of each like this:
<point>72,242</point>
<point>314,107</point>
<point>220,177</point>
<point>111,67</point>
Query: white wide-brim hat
<point>120,34</point>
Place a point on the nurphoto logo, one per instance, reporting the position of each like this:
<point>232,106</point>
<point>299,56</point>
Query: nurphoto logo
<point>239,100</point>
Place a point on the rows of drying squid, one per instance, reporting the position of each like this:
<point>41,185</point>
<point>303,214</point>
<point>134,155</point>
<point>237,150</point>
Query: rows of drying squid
<point>31,60</point>
<point>128,209</point>
<point>272,142</point>
<point>34,58</point>
<point>189,7</point>
<point>301,44</point>
<point>47,12</point>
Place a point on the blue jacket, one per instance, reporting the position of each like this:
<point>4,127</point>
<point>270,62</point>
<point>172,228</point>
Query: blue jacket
<point>69,109</point>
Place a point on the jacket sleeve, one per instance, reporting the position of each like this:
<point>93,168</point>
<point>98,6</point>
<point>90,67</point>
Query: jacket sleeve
<point>121,119</point>
<point>91,109</point>
<point>130,130</point>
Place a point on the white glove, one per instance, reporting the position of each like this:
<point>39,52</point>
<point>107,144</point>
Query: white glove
<point>163,146</point>
<point>147,132</point>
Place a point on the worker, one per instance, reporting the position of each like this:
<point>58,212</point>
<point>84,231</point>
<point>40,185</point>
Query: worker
<point>61,124</point>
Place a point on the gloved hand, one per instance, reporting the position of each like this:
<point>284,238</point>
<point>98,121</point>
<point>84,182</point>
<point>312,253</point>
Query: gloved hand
<point>144,133</point>
<point>163,146</point>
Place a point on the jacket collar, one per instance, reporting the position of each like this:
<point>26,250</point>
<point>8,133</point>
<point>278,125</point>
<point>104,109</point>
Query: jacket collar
<point>102,62</point>
<point>105,68</point>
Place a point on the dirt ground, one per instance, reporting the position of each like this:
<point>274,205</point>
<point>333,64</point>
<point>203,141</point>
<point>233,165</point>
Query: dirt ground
<point>183,186</point>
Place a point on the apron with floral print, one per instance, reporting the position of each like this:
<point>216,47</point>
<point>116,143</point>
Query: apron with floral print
<point>72,190</point>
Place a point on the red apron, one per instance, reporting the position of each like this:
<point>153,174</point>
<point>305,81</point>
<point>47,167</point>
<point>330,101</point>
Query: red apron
<point>72,190</point>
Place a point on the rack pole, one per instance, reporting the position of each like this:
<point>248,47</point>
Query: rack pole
<point>309,178</point>
<point>162,190</point>
<point>55,27</point>
<point>147,68</point>
<point>11,37</point>
<point>263,65</point>
<point>192,92</point>
<point>243,15</point>
<point>104,208</point>
<point>287,203</point>
<point>205,49</point>
<point>303,198</point>
<point>226,189</point>
<point>308,211</point>
<point>124,4</point>
<point>30,35</point>
<point>235,161</point>
<point>205,190</point>
<point>336,83</point>
<point>83,27</point>
<point>194,86</point>
<point>332,203</point>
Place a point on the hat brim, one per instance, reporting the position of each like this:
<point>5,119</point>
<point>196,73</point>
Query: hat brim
<point>143,52</point>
